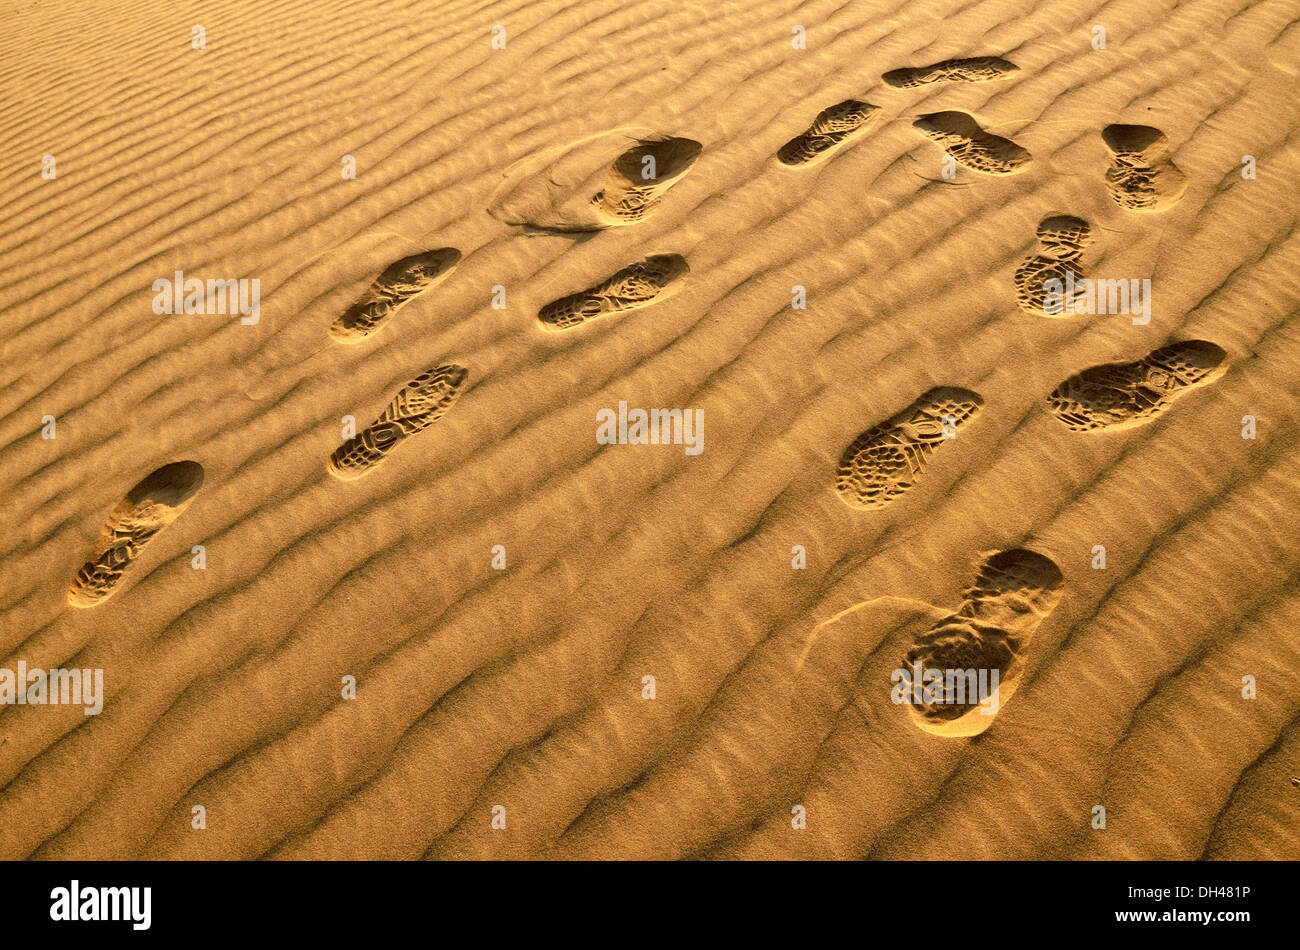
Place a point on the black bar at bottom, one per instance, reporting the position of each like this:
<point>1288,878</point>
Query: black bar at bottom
<point>974,900</point>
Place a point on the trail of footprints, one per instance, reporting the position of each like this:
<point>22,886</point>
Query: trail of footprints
<point>1013,590</point>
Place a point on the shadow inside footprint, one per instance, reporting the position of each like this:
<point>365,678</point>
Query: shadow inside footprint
<point>1043,279</point>
<point>636,285</point>
<point>832,127</point>
<point>149,507</point>
<point>885,461</point>
<point>400,282</point>
<point>641,176</point>
<point>419,404</point>
<point>1123,395</point>
<point>1130,138</point>
<point>962,670</point>
<point>962,137</point>
<point>973,69</point>
<point>1142,175</point>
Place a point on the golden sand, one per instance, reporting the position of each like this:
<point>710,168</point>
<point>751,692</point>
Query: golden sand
<point>516,638</point>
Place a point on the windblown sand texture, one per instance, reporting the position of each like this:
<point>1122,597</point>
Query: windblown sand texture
<point>568,649</point>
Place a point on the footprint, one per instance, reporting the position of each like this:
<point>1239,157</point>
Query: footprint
<point>639,178</point>
<point>401,282</point>
<point>975,69</point>
<point>1123,395</point>
<point>1012,593</point>
<point>832,127</point>
<point>550,191</point>
<point>885,461</point>
<point>149,507</point>
<point>634,286</point>
<point>419,404</point>
<point>1063,237</point>
<point>1142,175</point>
<point>961,137</point>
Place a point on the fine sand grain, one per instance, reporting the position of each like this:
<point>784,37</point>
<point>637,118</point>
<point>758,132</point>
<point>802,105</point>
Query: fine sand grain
<point>829,229</point>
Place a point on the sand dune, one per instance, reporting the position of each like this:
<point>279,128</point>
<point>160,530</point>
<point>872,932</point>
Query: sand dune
<point>513,639</point>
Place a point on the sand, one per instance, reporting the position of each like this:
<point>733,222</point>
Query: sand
<point>514,639</point>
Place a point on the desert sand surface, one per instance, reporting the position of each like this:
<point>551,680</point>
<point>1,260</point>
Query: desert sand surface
<point>391,473</point>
